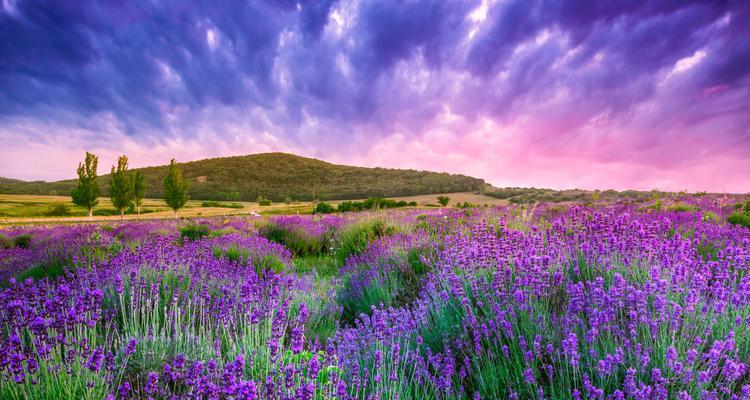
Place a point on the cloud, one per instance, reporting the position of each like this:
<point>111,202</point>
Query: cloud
<point>523,92</point>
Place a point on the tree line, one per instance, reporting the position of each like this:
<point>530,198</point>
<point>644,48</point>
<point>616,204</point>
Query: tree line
<point>126,188</point>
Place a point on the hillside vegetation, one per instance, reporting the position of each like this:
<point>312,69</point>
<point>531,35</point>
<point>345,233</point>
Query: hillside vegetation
<point>278,177</point>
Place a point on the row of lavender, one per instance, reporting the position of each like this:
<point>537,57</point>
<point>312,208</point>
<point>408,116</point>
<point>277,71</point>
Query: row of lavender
<point>600,303</point>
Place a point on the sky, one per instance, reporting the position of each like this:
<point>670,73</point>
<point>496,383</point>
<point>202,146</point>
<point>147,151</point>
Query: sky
<point>545,93</point>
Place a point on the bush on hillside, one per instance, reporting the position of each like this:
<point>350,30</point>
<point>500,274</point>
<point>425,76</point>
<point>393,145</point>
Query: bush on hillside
<point>323,208</point>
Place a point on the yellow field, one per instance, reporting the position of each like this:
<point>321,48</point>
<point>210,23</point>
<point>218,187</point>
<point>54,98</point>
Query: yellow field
<point>19,209</point>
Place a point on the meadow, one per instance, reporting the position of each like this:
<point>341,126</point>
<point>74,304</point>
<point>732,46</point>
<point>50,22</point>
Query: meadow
<point>20,209</point>
<point>563,301</point>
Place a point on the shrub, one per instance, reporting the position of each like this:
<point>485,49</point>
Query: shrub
<point>263,201</point>
<point>740,219</point>
<point>193,232</point>
<point>58,210</point>
<point>443,200</point>
<point>22,241</point>
<point>412,204</point>
<point>220,205</point>
<point>5,242</point>
<point>323,208</point>
<point>373,203</point>
<point>681,207</point>
<point>51,269</point>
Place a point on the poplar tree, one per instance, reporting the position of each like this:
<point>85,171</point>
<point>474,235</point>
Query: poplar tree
<point>139,191</point>
<point>85,195</point>
<point>120,187</point>
<point>175,188</point>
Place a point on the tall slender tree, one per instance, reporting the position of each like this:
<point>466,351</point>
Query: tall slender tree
<point>139,191</point>
<point>120,186</point>
<point>87,191</point>
<point>175,188</point>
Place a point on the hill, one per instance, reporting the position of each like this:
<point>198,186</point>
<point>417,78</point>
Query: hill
<point>276,176</point>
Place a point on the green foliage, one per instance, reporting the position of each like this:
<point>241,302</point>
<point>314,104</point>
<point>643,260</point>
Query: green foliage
<point>681,207</point>
<point>6,242</point>
<point>372,203</point>
<point>395,281</point>
<point>193,232</point>
<point>22,241</point>
<point>322,265</point>
<point>221,205</point>
<point>443,200</point>
<point>86,193</point>
<point>323,208</point>
<point>242,256</point>
<point>120,185</point>
<point>299,242</point>
<point>710,216</point>
<point>278,176</point>
<point>52,269</point>
<point>740,219</point>
<point>175,187</point>
<point>708,250</point>
<point>355,238</point>
<point>230,195</point>
<point>325,314</point>
<point>139,190</point>
<point>262,201</point>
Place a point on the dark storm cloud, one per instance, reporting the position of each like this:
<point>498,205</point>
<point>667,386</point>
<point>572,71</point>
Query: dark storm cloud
<point>320,72</point>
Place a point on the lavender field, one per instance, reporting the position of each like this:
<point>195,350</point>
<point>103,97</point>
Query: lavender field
<point>545,302</point>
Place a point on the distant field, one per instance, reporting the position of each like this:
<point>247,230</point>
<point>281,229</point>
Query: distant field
<point>30,208</point>
<point>16,209</point>
<point>477,199</point>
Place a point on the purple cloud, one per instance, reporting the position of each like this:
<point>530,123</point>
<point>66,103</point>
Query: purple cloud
<point>540,92</point>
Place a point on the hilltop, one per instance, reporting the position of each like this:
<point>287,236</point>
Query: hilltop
<point>276,176</point>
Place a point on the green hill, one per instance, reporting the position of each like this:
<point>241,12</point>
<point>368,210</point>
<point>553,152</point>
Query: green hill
<point>276,176</point>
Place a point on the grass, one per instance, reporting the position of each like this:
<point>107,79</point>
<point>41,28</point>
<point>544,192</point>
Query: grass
<point>241,255</point>
<point>296,239</point>
<point>354,238</point>
<point>47,270</point>
<point>221,205</point>
<point>321,266</point>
